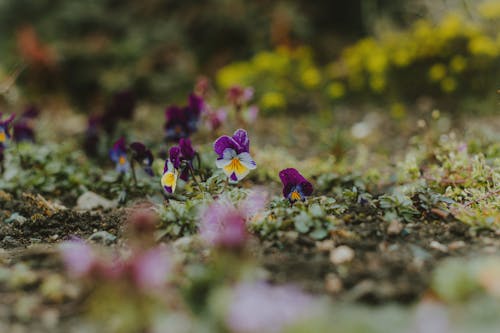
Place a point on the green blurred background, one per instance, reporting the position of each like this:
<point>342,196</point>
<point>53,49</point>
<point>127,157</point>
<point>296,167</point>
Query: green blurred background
<point>295,53</point>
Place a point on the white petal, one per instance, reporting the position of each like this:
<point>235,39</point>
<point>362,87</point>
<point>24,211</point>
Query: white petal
<point>222,163</point>
<point>247,161</point>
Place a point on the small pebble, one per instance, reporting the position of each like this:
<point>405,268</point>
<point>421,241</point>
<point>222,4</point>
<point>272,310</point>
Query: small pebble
<point>395,227</point>
<point>438,246</point>
<point>333,284</point>
<point>341,255</point>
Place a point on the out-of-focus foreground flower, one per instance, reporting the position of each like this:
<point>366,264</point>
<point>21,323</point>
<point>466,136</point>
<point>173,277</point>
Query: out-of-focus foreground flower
<point>260,307</point>
<point>223,224</point>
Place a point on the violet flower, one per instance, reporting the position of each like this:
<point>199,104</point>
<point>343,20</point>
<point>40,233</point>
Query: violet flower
<point>234,155</point>
<point>295,186</point>
<point>223,224</point>
<point>23,129</point>
<point>5,129</point>
<point>259,307</point>
<point>187,155</point>
<point>118,154</point>
<point>182,122</point>
<point>142,155</point>
<point>170,170</point>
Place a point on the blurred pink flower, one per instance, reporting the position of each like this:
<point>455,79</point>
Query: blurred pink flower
<point>259,307</point>
<point>252,114</point>
<point>215,119</point>
<point>238,96</point>
<point>150,269</point>
<point>431,317</point>
<point>224,224</point>
<point>78,257</point>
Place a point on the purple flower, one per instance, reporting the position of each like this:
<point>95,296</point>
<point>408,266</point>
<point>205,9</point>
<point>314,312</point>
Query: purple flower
<point>223,224</point>
<point>238,96</point>
<point>182,122</point>
<point>234,155</point>
<point>143,156</point>
<point>5,129</point>
<point>23,129</point>
<point>118,154</point>
<point>295,186</point>
<point>187,155</point>
<point>170,170</point>
<point>260,307</point>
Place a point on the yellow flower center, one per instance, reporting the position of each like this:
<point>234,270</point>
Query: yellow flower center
<point>295,196</point>
<point>3,136</point>
<point>122,160</point>
<point>168,179</point>
<point>235,166</point>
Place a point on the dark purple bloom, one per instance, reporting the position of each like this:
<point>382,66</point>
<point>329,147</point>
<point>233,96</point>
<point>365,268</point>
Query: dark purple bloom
<point>5,129</point>
<point>143,156</point>
<point>118,154</point>
<point>187,154</point>
<point>182,122</point>
<point>122,106</point>
<point>234,155</point>
<point>23,129</point>
<point>91,140</point>
<point>187,149</point>
<point>295,186</point>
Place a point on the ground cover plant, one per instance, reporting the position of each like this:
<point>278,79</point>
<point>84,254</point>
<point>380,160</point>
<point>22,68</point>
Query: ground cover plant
<point>283,193</point>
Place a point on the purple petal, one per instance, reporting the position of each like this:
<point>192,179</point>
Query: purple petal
<point>7,121</point>
<point>291,178</point>
<point>184,174</point>
<point>196,104</point>
<point>241,137</point>
<point>186,149</point>
<point>174,114</point>
<point>174,154</point>
<point>223,143</point>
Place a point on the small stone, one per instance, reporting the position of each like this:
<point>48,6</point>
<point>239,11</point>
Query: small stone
<point>341,255</point>
<point>90,200</point>
<point>395,227</point>
<point>438,246</point>
<point>333,284</point>
<point>325,246</point>
<point>456,245</point>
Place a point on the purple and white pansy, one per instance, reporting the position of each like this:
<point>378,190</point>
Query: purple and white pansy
<point>170,170</point>
<point>234,155</point>
<point>295,186</point>
<point>118,154</point>
<point>5,129</point>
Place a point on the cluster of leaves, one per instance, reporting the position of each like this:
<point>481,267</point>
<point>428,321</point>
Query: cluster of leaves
<point>58,170</point>
<point>315,219</point>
